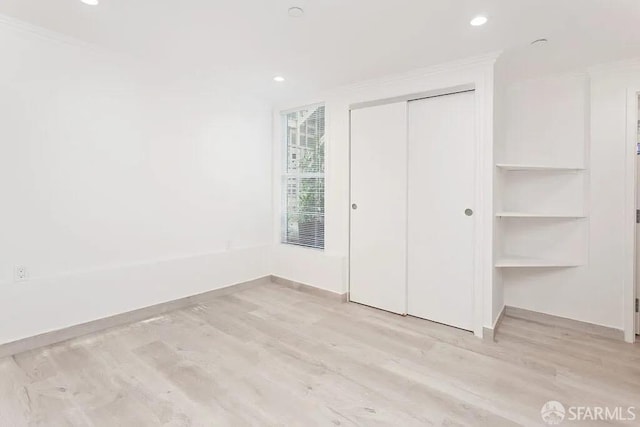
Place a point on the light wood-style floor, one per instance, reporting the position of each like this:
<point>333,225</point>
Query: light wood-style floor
<point>272,355</point>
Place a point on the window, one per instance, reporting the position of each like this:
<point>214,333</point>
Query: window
<point>303,178</point>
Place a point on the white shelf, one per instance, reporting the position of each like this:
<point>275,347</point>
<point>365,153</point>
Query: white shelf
<point>536,215</point>
<point>520,262</point>
<point>541,168</point>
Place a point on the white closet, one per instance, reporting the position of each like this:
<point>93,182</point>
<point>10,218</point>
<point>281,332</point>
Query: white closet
<point>378,254</point>
<point>412,192</point>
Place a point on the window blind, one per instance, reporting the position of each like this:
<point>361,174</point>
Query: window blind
<point>303,177</point>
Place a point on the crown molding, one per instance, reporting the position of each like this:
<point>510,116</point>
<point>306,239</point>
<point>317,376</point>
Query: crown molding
<point>571,74</point>
<point>42,33</point>
<point>25,27</point>
<point>451,66</point>
<point>338,92</point>
<point>621,66</point>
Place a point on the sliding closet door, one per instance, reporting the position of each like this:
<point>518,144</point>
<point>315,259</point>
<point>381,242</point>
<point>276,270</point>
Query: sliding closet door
<point>379,207</point>
<point>441,196</point>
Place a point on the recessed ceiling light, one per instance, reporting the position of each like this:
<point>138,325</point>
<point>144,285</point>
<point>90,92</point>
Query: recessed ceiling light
<point>478,21</point>
<point>278,79</point>
<point>91,2</point>
<point>296,12</point>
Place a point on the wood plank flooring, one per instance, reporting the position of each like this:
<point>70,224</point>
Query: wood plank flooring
<point>274,356</point>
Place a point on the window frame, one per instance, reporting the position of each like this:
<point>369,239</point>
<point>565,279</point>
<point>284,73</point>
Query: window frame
<point>285,175</point>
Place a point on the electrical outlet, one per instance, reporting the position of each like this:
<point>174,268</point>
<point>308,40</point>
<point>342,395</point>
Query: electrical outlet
<point>20,273</point>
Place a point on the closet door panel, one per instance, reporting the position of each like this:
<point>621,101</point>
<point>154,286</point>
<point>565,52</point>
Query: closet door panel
<point>378,240</point>
<point>441,188</point>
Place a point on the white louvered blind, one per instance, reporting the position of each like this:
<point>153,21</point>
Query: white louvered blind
<point>303,178</point>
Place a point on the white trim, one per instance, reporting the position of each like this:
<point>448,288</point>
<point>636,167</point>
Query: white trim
<point>285,175</point>
<point>301,107</point>
<point>564,322</point>
<point>629,288</point>
<point>310,289</point>
<point>415,96</point>
<point>477,71</point>
<point>121,319</point>
<point>422,73</point>
<point>484,202</point>
<point>490,333</point>
<point>618,66</point>
<point>54,37</point>
<point>483,253</point>
<point>22,26</point>
<point>498,320</point>
<point>43,304</point>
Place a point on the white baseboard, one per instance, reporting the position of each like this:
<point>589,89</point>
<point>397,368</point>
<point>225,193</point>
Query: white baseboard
<point>35,307</point>
<point>489,334</point>
<point>548,319</point>
<point>310,266</point>
<point>78,330</point>
<point>310,289</point>
<point>75,331</point>
<point>194,273</point>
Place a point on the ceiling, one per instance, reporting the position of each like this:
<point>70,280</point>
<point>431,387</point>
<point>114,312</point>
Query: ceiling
<point>341,41</point>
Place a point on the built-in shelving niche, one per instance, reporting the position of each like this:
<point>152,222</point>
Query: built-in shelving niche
<point>541,217</point>
<point>539,168</point>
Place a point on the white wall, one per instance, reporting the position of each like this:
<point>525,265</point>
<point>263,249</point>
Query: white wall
<point>120,184</point>
<point>553,118</point>
<point>329,269</point>
<point>123,187</point>
<point>499,142</point>
<point>610,85</point>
